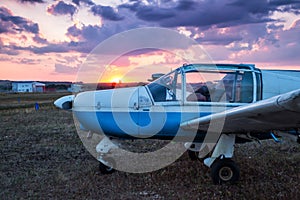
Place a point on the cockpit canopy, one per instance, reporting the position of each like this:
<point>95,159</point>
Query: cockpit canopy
<point>208,83</point>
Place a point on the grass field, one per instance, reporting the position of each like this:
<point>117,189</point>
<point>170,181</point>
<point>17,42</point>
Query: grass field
<point>42,157</point>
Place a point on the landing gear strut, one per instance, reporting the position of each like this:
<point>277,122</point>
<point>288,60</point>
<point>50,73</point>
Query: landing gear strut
<point>106,164</point>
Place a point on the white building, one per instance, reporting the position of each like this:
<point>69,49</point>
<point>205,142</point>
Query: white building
<point>28,86</point>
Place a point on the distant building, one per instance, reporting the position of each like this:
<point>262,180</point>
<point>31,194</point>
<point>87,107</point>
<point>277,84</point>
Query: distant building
<point>28,86</point>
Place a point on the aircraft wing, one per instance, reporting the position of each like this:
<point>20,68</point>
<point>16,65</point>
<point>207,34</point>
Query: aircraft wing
<point>281,112</point>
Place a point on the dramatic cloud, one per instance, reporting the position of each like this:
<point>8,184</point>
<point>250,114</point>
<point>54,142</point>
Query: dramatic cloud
<point>87,2</point>
<point>29,61</point>
<point>64,69</point>
<point>40,40</point>
<point>87,33</point>
<point>237,25</point>
<point>217,37</point>
<point>88,36</point>
<point>32,1</point>
<point>13,24</point>
<point>186,5</point>
<point>286,6</point>
<point>154,13</point>
<point>62,8</point>
<point>6,50</point>
<point>206,14</point>
<point>285,52</point>
<point>106,12</point>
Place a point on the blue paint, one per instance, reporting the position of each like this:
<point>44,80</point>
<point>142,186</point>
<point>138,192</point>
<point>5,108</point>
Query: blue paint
<point>171,125</point>
<point>140,119</point>
<point>107,121</point>
<point>144,119</point>
<point>108,124</point>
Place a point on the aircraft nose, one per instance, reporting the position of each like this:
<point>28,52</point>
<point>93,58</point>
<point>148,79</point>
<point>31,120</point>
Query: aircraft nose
<point>64,102</point>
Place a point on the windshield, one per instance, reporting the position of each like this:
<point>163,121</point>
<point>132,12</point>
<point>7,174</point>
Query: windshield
<point>167,87</point>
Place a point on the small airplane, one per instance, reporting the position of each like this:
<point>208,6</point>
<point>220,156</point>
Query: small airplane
<point>209,106</point>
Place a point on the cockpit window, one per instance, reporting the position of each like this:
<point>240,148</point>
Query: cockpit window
<point>219,86</point>
<point>204,85</point>
<point>167,87</point>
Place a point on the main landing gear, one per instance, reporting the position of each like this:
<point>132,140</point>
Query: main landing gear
<point>223,169</point>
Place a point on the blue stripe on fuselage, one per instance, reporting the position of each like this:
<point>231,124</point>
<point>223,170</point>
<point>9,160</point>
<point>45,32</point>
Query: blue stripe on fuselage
<point>111,127</point>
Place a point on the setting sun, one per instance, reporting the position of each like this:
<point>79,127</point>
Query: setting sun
<point>115,79</point>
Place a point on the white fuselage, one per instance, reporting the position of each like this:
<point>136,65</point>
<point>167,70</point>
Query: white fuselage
<point>156,111</point>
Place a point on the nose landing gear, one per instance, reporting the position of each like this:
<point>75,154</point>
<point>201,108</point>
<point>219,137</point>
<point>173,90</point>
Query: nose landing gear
<point>106,165</point>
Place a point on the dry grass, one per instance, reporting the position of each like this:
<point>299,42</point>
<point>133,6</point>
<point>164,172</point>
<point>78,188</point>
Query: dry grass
<point>27,100</point>
<point>43,157</point>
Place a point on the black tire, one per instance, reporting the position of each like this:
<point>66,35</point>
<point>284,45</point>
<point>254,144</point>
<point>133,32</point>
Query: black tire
<point>224,171</point>
<point>107,168</point>
<point>193,155</point>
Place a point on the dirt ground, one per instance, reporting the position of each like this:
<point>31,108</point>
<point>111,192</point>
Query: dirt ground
<point>43,157</point>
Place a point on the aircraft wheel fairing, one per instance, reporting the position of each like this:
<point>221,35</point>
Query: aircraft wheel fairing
<point>224,171</point>
<point>107,166</point>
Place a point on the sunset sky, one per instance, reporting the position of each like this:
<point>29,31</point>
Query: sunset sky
<point>51,40</point>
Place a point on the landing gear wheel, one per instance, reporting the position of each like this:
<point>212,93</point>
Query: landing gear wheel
<point>193,154</point>
<point>224,171</point>
<point>107,167</point>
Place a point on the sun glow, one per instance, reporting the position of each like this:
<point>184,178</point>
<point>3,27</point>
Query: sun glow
<point>116,79</point>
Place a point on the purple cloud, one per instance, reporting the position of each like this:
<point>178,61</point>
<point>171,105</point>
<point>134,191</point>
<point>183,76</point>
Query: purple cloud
<point>92,34</point>
<point>32,1</point>
<point>245,23</point>
<point>13,24</point>
<point>64,69</point>
<point>29,61</point>
<point>39,39</point>
<point>148,13</point>
<point>106,12</point>
<point>208,13</point>
<point>287,6</point>
<point>62,8</point>
<point>287,48</point>
<point>87,2</point>
<point>186,5</point>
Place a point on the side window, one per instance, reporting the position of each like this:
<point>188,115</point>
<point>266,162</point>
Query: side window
<point>197,86</point>
<point>246,93</point>
<point>259,86</point>
<point>216,86</point>
<point>179,87</point>
<point>166,88</point>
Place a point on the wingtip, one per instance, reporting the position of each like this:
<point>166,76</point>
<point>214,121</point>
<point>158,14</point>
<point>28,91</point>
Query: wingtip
<point>290,101</point>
